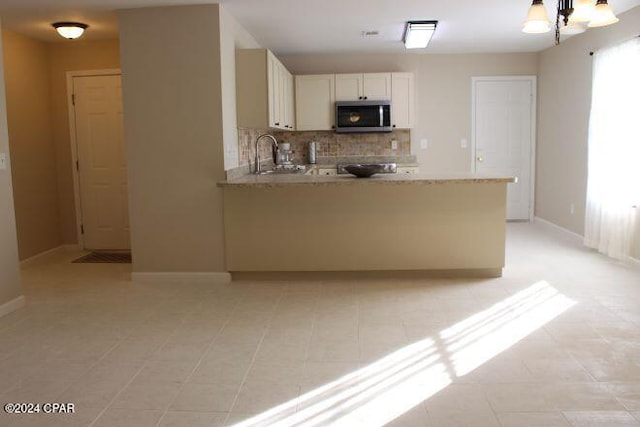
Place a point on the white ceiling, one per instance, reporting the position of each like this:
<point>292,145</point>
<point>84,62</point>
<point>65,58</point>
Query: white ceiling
<point>318,26</point>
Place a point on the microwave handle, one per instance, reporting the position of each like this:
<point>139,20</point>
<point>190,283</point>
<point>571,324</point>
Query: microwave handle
<point>381,111</point>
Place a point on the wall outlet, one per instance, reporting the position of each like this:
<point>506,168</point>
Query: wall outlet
<point>3,161</point>
<point>572,208</point>
<point>394,144</point>
<point>463,143</point>
<point>424,144</point>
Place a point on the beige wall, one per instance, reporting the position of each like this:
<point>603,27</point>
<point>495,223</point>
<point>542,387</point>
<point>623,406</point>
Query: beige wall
<point>173,133</point>
<point>33,156</point>
<point>441,226</point>
<point>564,103</point>
<point>443,94</point>
<point>72,56</point>
<point>9,272</point>
<point>232,36</point>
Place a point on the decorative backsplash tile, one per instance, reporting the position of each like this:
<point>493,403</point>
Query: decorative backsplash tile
<point>330,144</point>
<point>246,145</point>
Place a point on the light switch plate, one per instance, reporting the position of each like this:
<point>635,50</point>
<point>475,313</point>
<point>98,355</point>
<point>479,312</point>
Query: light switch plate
<point>3,161</point>
<point>424,144</point>
<point>394,144</point>
<point>463,143</point>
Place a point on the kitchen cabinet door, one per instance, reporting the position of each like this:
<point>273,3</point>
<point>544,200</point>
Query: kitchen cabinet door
<point>402,100</point>
<point>349,87</point>
<point>290,102</point>
<point>261,90</point>
<point>276,87</point>
<point>367,86</point>
<point>315,99</point>
<point>376,86</point>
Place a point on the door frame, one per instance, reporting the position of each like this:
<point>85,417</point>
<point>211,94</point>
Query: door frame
<point>534,110</point>
<point>73,140</point>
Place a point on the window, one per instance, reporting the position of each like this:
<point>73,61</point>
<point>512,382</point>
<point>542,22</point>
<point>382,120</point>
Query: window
<point>613,188</point>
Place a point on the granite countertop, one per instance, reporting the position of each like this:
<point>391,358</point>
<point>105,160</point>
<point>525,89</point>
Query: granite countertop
<point>284,180</point>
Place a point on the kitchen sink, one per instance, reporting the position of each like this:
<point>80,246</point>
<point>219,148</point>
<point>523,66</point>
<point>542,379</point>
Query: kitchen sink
<point>300,169</point>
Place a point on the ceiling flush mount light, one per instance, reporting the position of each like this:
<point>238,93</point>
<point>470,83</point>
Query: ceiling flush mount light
<point>418,34</point>
<point>569,19</point>
<point>70,30</point>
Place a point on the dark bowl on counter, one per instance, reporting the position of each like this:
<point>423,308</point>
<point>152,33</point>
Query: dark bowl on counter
<point>364,171</point>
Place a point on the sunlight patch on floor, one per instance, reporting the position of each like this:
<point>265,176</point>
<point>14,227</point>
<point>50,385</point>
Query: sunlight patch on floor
<point>391,386</point>
<point>481,337</point>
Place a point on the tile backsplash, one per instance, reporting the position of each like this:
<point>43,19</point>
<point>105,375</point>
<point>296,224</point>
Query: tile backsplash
<point>330,144</point>
<point>246,145</point>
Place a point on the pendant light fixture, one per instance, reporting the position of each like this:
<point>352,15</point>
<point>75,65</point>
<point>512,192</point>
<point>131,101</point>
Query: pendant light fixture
<point>70,30</point>
<point>569,19</point>
<point>582,11</point>
<point>603,15</point>
<point>537,21</point>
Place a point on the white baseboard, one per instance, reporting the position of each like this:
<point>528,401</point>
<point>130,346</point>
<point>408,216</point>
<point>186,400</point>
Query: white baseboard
<point>208,277</point>
<point>12,305</point>
<point>62,248</point>
<point>575,237</point>
<point>634,261</point>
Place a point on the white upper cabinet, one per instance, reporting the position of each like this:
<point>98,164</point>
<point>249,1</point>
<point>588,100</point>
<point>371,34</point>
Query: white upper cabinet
<point>268,96</point>
<point>376,86</point>
<point>290,101</point>
<point>264,91</point>
<point>367,86</point>
<point>275,87</point>
<point>315,102</point>
<point>349,87</point>
<point>402,100</point>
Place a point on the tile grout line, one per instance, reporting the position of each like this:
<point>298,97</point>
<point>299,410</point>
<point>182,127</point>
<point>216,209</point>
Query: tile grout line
<point>253,359</point>
<point>103,357</point>
<point>144,364</point>
<point>91,366</point>
<point>307,350</point>
<point>198,363</point>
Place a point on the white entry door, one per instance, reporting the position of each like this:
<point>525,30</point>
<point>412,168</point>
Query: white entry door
<point>503,134</point>
<point>102,172</point>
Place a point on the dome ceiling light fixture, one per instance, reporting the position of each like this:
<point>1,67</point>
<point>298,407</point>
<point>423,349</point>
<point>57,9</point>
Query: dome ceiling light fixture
<point>571,18</point>
<point>70,30</point>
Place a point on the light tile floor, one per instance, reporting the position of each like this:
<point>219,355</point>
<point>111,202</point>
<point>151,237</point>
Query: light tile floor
<point>564,352</point>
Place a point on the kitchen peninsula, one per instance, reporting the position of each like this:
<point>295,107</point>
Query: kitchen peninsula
<point>448,224</point>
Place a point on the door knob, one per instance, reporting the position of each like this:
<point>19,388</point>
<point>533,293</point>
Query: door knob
<point>480,159</point>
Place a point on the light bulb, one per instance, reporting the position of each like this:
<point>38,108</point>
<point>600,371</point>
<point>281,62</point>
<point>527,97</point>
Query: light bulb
<point>582,11</point>
<point>537,19</point>
<point>603,15</point>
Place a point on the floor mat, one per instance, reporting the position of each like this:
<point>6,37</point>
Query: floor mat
<point>106,257</point>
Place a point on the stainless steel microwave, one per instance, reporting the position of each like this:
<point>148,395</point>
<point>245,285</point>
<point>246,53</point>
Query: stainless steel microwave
<point>363,116</point>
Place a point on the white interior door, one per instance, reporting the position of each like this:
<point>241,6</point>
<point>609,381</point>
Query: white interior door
<point>102,170</point>
<point>503,134</point>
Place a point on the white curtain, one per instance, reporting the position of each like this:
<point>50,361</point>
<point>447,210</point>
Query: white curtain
<point>613,188</point>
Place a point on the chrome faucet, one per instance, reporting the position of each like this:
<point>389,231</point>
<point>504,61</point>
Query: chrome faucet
<point>274,151</point>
